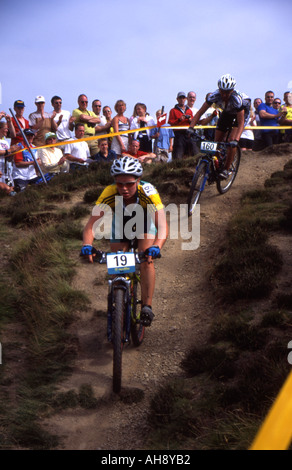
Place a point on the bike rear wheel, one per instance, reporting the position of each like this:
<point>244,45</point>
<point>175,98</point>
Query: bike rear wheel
<point>223,185</point>
<point>137,329</point>
<point>197,187</point>
<point>118,337</point>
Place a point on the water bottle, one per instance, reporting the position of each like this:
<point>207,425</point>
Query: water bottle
<point>216,163</point>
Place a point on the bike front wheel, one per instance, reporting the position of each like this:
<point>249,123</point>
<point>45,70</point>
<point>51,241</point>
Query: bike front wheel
<point>197,187</point>
<point>118,337</point>
<point>137,329</point>
<point>223,185</point>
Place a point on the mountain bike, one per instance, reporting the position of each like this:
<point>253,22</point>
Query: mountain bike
<point>124,297</point>
<point>209,166</point>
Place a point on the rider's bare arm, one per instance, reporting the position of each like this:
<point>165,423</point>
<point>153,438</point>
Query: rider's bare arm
<point>199,113</point>
<point>88,232</point>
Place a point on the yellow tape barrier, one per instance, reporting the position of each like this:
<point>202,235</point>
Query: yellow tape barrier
<point>276,431</point>
<point>132,131</point>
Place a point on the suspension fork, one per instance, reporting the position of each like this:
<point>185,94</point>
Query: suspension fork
<point>206,176</point>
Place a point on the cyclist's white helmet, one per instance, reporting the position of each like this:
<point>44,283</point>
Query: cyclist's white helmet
<point>126,166</point>
<point>226,82</point>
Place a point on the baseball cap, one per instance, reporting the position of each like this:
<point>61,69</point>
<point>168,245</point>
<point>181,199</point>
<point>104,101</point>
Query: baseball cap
<point>39,99</point>
<point>180,94</point>
<point>19,104</point>
<point>50,134</point>
<point>29,132</point>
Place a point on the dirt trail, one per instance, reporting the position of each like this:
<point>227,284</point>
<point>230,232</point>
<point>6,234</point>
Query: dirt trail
<point>183,308</point>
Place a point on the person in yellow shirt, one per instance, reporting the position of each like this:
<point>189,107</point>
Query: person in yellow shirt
<point>151,232</point>
<point>89,119</point>
<point>286,120</point>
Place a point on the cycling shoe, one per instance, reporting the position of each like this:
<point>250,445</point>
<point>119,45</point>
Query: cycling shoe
<point>146,315</point>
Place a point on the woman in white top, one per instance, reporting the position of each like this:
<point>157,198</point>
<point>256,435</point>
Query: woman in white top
<point>142,119</point>
<point>120,123</point>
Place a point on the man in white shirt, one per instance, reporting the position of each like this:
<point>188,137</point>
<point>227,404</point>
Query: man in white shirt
<point>41,121</point>
<point>191,99</point>
<point>104,126</point>
<point>96,108</point>
<point>77,153</point>
<point>5,151</point>
<point>63,118</point>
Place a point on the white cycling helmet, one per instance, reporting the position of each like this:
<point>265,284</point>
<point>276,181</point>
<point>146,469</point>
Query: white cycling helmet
<point>226,82</point>
<point>126,166</point>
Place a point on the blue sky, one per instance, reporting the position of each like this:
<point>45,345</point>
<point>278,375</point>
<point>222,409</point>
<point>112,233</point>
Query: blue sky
<point>142,51</point>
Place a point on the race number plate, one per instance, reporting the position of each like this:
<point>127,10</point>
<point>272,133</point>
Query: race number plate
<point>120,263</point>
<point>208,147</point>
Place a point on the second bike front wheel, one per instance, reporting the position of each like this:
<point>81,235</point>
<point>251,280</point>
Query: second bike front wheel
<point>118,337</point>
<point>197,187</point>
<point>223,185</point>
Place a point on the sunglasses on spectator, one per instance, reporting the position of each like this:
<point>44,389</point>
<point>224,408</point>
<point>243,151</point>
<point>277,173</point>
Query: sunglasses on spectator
<point>277,102</point>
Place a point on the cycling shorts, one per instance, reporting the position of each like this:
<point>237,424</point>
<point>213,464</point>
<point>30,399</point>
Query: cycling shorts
<point>227,121</point>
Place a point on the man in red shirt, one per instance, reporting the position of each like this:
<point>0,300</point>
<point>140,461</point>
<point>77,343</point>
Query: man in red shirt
<point>24,124</point>
<point>134,151</point>
<point>181,115</point>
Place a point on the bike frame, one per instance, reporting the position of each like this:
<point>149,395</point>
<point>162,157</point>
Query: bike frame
<point>123,297</point>
<point>126,283</point>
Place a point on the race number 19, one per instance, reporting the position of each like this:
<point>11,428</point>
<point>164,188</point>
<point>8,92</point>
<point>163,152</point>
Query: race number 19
<point>120,263</point>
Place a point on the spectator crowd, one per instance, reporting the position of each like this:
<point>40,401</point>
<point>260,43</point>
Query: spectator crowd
<point>47,143</point>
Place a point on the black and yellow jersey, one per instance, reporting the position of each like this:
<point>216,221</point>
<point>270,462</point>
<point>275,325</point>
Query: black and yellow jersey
<point>147,196</point>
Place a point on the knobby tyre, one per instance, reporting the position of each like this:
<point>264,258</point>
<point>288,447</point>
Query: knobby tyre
<point>118,336</point>
<point>197,187</point>
<point>137,329</point>
<point>224,185</point>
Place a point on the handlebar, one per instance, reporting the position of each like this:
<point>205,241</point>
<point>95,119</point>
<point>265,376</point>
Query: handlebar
<point>194,135</point>
<point>100,256</point>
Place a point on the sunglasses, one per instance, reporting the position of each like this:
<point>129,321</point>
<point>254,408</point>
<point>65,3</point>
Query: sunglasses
<point>130,184</point>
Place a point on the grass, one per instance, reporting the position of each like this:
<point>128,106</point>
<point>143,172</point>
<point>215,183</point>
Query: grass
<point>44,304</point>
<point>37,297</point>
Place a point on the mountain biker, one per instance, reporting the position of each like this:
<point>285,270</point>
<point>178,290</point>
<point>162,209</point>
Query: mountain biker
<point>234,117</point>
<point>127,172</point>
